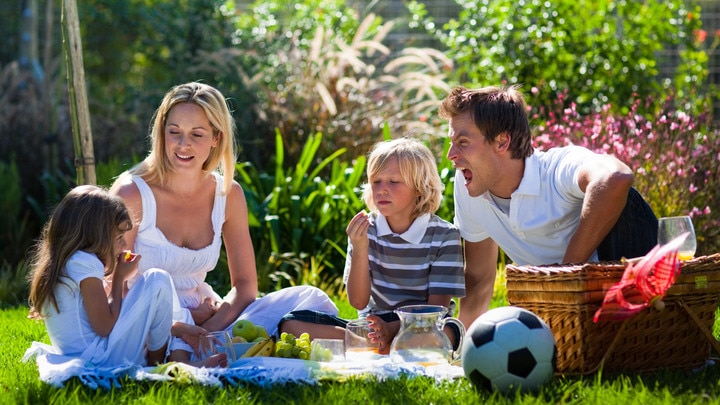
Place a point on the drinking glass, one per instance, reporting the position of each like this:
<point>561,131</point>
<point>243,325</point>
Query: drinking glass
<point>671,227</point>
<point>327,350</point>
<point>358,346</point>
<point>217,342</point>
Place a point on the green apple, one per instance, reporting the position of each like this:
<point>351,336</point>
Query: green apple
<point>245,329</point>
<point>261,332</point>
<point>259,339</point>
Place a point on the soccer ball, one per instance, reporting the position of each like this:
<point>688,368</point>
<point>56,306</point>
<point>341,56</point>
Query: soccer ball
<point>509,348</point>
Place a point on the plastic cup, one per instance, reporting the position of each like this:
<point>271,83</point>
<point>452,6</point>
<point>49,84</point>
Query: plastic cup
<point>217,342</point>
<point>358,346</point>
<point>327,350</point>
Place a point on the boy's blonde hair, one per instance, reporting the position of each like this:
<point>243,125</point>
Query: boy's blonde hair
<point>222,158</point>
<point>417,169</point>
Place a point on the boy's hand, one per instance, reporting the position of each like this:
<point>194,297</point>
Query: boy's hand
<point>357,229</point>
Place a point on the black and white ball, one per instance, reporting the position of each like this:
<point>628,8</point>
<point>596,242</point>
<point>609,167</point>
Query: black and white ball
<point>509,348</point>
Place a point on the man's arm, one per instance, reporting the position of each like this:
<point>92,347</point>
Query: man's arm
<point>480,270</point>
<point>606,182</point>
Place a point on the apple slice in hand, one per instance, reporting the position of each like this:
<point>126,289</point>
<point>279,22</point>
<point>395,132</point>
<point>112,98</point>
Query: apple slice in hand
<point>128,255</point>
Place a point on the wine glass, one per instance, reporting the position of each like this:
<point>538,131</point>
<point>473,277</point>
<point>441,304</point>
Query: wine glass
<point>671,227</point>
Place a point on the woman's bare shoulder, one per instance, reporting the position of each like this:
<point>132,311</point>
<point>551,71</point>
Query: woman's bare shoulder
<point>235,200</point>
<point>125,188</point>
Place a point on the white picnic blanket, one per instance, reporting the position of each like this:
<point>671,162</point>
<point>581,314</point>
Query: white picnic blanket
<point>56,369</point>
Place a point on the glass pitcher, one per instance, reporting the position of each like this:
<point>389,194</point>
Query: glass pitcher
<point>421,338</point>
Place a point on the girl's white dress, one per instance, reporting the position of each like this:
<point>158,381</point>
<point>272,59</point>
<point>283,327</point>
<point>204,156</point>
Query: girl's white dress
<point>188,269</point>
<point>144,322</point>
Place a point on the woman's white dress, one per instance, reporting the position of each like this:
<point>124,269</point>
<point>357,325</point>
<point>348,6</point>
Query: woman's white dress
<point>189,268</point>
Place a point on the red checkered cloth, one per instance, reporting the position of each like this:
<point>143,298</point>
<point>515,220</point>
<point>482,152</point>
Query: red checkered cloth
<point>644,283</point>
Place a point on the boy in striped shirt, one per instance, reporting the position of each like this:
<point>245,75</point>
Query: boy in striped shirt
<point>401,253</point>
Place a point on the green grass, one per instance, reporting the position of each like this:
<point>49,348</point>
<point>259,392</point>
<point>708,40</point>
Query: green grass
<point>19,383</point>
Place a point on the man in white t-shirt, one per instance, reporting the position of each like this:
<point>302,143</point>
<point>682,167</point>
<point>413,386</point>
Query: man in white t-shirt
<point>565,205</point>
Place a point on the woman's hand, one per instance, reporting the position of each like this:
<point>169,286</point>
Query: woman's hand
<point>204,311</point>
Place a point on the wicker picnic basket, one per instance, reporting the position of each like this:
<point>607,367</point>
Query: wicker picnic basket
<point>567,296</point>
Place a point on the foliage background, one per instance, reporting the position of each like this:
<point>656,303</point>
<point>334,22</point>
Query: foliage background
<point>313,84</point>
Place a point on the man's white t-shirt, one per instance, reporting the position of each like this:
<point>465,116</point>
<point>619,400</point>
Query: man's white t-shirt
<point>544,210</point>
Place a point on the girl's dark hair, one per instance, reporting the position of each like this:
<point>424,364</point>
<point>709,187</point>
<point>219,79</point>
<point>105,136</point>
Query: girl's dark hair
<point>89,219</point>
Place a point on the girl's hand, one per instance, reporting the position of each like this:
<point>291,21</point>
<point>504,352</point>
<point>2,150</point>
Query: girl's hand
<point>126,268</point>
<point>189,333</point>
<point>357,229</point>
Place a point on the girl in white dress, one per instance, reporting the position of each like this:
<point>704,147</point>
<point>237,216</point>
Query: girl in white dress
<point>185,203</point>
<point>78,280</point>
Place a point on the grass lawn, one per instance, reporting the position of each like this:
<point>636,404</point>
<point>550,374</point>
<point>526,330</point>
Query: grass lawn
<point>19,383</point>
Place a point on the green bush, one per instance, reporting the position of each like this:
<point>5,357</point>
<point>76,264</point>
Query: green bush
<point>298,216</point>
<point>12,224</point>
<point>15,237</point>
<point>601,52</point>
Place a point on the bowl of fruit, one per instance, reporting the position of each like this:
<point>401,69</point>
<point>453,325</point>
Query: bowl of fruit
<point>249,340</point>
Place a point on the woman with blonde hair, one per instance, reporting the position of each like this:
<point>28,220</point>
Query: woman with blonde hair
<point>186,204</point>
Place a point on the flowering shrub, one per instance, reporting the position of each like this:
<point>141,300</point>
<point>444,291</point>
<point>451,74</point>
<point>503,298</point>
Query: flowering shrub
<point>675,156</point>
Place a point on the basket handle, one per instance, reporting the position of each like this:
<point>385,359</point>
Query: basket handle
<point>708,334</point>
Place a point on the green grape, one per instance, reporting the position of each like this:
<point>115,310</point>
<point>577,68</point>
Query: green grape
<point>326,354</point>
<point>290,346</point>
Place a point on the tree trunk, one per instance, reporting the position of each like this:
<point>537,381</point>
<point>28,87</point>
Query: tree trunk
<point>79,110</point>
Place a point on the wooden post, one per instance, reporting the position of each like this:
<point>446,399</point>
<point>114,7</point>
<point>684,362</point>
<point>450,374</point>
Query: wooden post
<point>79,110</point>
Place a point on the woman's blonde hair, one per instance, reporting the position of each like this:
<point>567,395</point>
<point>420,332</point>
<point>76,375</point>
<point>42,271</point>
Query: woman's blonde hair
<point>88,218</point>
<point>222,158</point>
<point>417,169</point>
